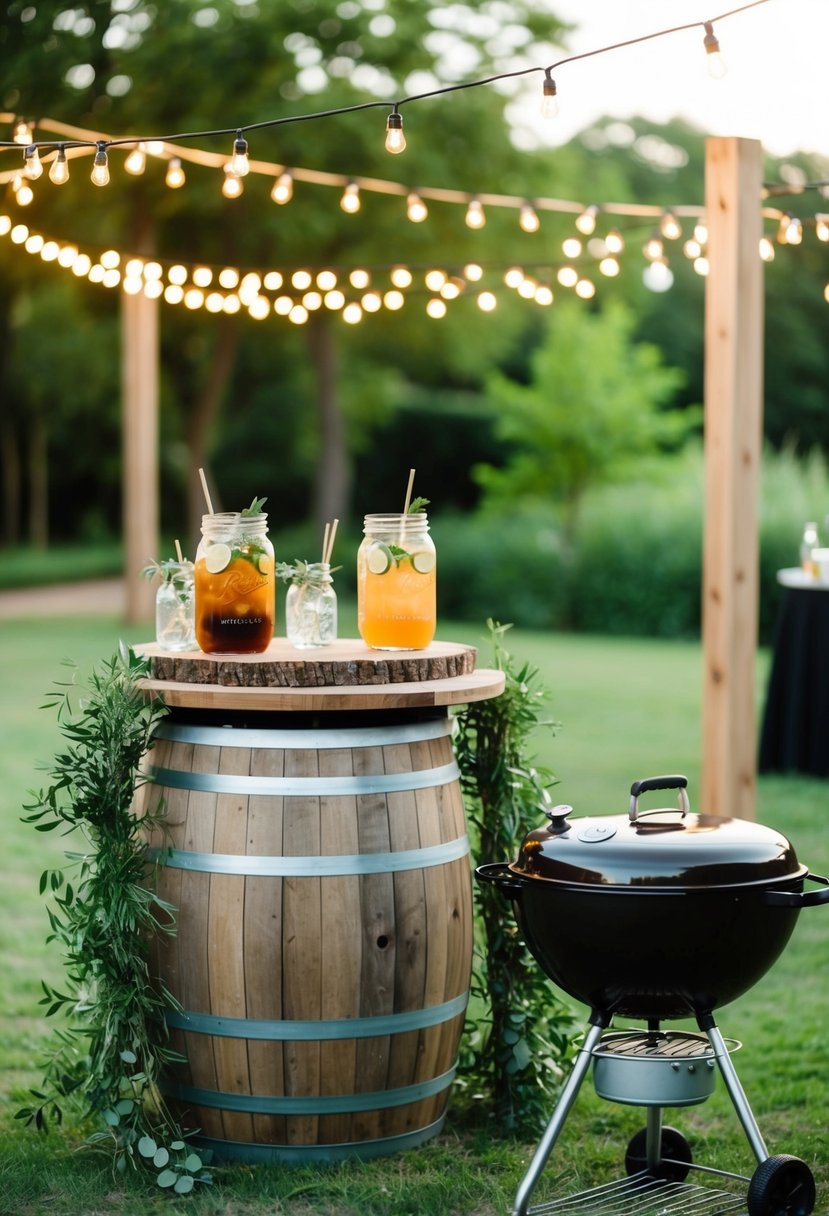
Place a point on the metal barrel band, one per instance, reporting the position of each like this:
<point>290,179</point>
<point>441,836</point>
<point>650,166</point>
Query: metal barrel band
<point>304,739</point>
<point>316,866</point>
<point>299,1154</point>
<point>321,1029</point>
<point>322,1104</point>
<point>301,787</point>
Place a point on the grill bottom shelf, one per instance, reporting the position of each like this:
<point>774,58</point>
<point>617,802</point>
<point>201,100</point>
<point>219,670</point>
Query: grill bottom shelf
<point>641,1195</point>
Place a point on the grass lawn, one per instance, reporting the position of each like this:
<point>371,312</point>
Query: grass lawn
<point>628,709</point>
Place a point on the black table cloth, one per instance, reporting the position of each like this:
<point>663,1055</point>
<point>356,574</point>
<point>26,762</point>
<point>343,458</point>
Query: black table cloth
<point>795,729</point>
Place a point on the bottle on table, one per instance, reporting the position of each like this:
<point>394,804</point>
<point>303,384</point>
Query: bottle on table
<point>808,544</point>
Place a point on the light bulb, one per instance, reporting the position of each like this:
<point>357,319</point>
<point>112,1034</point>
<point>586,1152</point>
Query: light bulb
<point>174,177</point>
<point>475,217</point>
<point>714,60</point>
<point>794,231</point>
<point>822,227</point>
<point>486,301</point>
<point>528,218</point>
<point>22,132</point>
<point>669,226</point>
<point>766,249</point>
<point>654,247</point>
<point>24,195</point>
<point>416,209</point>
<point>100,168</point>
<point>136,162</point>
<point>609,267</point>
<point>586,222</point>
<point>549,98</point>
<point>614,241</point>
<point>239,163</point>
<point>571,247</point>
<point>59,168</point>
<point>473,272</point>
<point>395,139</point>
<point>350,201</point>
<point>32,164</point>
<point>701,233</point>
<point>283,188</point>
<point>233,185</point>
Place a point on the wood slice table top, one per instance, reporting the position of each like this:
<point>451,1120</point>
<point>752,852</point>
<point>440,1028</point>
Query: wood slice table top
<point>344,675</point>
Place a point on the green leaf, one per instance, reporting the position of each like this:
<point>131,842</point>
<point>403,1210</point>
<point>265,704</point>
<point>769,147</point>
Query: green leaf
<point>255,507</point>
<point>125,1106</point>
<point>193,1163</point>
<point>184,1185</point>
<point>147,1147</point>
<point>167,1178</point>
<point>161,1157</point>
<point>129,1057</point>
<point>111,1117</point>
<point>417,505</point>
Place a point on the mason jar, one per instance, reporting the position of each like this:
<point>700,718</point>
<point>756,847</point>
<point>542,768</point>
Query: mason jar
<point>311,608</point>
<point>235,584</point>
<point>175,609</point>
<point>396,580</point>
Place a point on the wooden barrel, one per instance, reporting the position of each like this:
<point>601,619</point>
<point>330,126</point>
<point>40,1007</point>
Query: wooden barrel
<point>320,866</point>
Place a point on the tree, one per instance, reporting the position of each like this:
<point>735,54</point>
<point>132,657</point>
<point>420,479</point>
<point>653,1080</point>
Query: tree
<point>590,412</point>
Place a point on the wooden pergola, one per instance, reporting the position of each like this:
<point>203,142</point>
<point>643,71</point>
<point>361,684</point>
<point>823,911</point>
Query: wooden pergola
<point>733,444</point>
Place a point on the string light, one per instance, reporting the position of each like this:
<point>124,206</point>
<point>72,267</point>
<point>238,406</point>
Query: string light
<point>232,186</point>
<point>100,167</point>
<point>136,162</point>
<point>239,161</point>
<point>23,193</point>
<point>669,226</point>
<point>395,139</point>
<point>32,166</point>
<point>416,209</point>
<point>713,59</point>
<point>350,201</point>
<point>614,241</point>
<point>475,217</point>
<point>571,247</point>
<point>59,168</point>
<point>586,222</point>
<point>528,218</point>
<point>283,188</point>
<point>23,132</point>
<point>175,176</point>
<point>822,227</point>
<point>549,97</point>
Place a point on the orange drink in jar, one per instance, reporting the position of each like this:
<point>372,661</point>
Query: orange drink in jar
<point>396,582</point>
<point>235,584</point>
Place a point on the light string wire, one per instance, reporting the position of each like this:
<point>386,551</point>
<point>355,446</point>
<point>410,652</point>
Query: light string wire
<point>104,142</point>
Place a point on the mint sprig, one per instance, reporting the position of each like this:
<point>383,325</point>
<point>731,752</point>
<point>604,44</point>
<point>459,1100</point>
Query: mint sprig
<point>255,507</point>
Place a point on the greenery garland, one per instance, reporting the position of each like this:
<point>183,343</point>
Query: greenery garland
<point>111,1051</point>
<point>516,1050</point>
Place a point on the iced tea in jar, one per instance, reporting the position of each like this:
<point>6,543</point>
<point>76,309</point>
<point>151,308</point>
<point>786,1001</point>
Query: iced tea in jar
<point>396,582</point>
<point>235,584</point>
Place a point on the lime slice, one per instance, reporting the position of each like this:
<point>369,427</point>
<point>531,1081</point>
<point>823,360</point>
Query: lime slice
<point>265,564</point>
<point>217,557</point>
<point>423,561</point>
<point>379,558</point>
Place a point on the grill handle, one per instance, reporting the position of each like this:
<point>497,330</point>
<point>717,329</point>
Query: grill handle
<point>670,782</point>
<point>500,875</point>
<point>800,899</point>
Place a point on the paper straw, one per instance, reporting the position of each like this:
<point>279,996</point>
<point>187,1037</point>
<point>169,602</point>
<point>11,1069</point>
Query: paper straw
<point>330,549</point>
<point>325,542</point>
<point>409,492</point>
<point>206,491</point>
<point>179,553</point>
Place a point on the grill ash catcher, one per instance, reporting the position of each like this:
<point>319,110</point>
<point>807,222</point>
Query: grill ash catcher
<point>700,908</point>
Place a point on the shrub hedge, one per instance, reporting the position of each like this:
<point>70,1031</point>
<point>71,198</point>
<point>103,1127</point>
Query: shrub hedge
<point>635,565</point>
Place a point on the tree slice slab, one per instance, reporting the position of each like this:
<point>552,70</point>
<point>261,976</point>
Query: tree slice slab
<point>345,663</point>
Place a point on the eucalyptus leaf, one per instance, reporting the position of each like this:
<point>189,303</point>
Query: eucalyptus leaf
<point>193,1163</point>
<point>184,1184</point>
<point>168,1178</point>
<point>161,1157</point>
<point>147,1147</point>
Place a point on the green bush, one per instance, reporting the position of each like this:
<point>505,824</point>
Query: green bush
<point>636,563</point>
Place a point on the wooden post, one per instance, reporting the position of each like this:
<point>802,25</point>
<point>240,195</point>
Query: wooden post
<point>733,441</point>
<point>139,388</point>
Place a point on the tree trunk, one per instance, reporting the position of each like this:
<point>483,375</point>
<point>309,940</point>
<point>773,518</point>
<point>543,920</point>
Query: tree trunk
<point>332,479</point>
<point>38,483</point>
<point>202,418</point>
<point>10,455</point>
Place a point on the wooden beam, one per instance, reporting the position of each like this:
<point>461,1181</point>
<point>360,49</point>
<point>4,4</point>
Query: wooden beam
<point>733,445</point>
<point>139,388</point>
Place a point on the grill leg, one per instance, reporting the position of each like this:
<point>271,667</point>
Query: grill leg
<point>735,1089</point>
<point>551,1133</point>
<point>653,1139</point>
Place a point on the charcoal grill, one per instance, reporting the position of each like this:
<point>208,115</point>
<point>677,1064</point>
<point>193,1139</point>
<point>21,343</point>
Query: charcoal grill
<point>654,916</point>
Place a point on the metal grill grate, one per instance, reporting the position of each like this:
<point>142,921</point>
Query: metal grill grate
<point>659,1045</point>
<point>641,1195</point>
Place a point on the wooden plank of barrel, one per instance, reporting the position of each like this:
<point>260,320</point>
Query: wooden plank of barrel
<point>320,866</point>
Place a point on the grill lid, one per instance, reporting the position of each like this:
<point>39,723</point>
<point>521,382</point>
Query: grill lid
<point>664,847</point>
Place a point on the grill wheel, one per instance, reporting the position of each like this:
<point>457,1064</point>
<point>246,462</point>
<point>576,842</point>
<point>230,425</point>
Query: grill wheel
<point>673,1146</point>
<point>781,1186</point>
